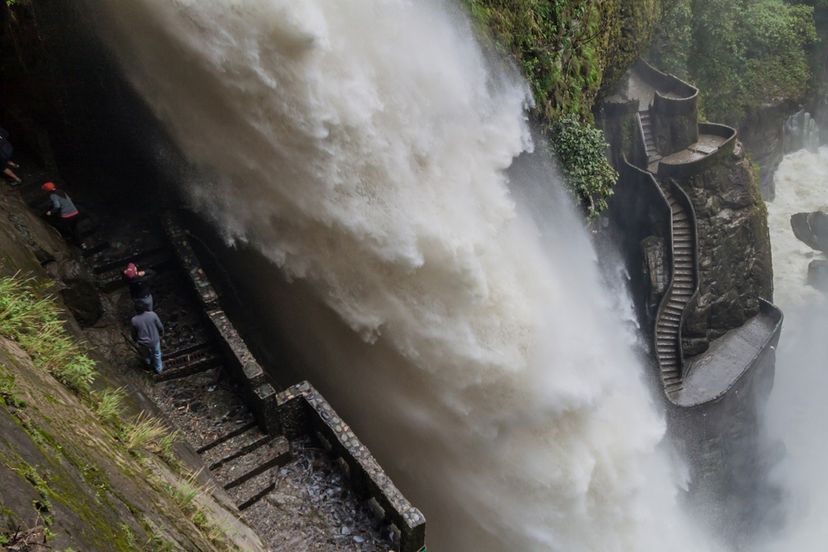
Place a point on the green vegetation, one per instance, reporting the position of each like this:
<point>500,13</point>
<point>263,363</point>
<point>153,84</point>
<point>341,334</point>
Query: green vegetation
<point>32,318</point>
<point>108,404</point>
<point>741,53</point>
<point>570,51</point>
<point>582,152</point>
<point>143,433</point>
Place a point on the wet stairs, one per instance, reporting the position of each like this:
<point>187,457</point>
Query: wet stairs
<point>191,391</point>
<point>678,294</point>
<point>649,137</point>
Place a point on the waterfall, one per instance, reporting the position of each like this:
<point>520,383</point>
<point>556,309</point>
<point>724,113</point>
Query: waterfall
<point>801,132</point>
<point>368,149</point>
<point>797,407</point>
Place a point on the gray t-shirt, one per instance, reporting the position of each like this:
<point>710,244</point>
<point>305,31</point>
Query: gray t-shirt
<point>147,329</point>
<point>62,205</point>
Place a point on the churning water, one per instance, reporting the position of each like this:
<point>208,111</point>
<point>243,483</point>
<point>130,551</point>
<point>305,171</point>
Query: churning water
<point>367,149</point>
<point>798,408</point>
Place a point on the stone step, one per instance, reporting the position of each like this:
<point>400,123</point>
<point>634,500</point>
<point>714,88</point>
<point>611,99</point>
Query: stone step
<point>243,468</point>
<point>254,488</point>
<point>187,365</point>
<point>226,437</point>
<point>226,449</point>
<point>673,388</point>
<point>189,349</point>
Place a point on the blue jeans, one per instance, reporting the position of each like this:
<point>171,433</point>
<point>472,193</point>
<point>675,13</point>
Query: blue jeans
<point>152,356</point>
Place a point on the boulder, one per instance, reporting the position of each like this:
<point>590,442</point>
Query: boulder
<point>84,301</point>
<point>811,229</point>
<point>818,274</point>
<point>692,346</point>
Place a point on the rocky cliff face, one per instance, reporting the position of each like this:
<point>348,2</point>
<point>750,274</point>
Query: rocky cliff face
<point>762,133</point>
<point>734,250</point>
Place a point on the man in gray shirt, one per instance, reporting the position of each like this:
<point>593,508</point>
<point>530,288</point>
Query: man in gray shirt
<point>147,330</point>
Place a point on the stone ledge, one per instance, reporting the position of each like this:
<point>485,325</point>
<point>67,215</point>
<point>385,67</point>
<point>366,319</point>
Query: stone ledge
<point>302,409</point>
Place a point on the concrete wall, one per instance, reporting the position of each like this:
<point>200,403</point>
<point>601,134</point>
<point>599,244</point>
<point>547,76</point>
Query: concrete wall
<point>683,171</point>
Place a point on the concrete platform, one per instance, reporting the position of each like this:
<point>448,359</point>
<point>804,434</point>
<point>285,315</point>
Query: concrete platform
<point>712,373</point>
<point>707,144</point>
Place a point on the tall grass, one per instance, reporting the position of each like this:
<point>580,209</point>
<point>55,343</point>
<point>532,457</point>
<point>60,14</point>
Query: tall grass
<point>143,433</point>
<point>108,404</point>
<point>33,320</point>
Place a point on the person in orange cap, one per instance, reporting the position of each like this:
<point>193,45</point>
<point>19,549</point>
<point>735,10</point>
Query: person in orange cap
<point>64,211</point>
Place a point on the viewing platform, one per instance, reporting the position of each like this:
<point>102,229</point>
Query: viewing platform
<point>711,374</point>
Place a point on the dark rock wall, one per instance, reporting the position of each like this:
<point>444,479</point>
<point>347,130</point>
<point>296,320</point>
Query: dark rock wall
<point>734,248</point>
<point>729,464</point>
<point>762,134</point>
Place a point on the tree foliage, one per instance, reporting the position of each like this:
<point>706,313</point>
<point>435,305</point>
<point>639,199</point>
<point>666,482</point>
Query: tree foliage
<point>581,149</point>
<point>565,48</point>
<point>741,53</point>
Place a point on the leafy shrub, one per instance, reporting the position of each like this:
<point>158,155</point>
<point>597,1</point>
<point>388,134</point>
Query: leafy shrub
<point>581,149</point>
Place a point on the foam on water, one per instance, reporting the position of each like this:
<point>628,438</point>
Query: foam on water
<point>798,408</point>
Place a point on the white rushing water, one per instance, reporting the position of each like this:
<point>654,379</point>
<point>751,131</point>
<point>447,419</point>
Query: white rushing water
<point>363,148</point>
<point>798,409</point>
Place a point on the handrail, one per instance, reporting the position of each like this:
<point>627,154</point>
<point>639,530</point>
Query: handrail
<point>642,141</point>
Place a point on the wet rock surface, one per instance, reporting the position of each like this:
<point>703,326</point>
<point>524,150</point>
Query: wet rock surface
<point>734,250</point>
<point>811,229</point>
<point>312,509</point>
<point>818,274</point>
<point>83,300</point>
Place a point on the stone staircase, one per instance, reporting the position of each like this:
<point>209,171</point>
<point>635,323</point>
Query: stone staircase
<point>649,138</point>
<point>241,457</point>
<point>678,295</point>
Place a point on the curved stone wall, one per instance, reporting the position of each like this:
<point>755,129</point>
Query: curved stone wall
<point>682,171</point>
<point>673,96</point>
